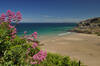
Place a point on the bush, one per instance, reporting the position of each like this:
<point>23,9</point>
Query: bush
<point>57,60</point>
<point>13,49</point>
<point>14,53</point>
<point>17,51</point>
<point>98,34</point>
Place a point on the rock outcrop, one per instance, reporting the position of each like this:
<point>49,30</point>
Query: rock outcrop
<point>90,26</point>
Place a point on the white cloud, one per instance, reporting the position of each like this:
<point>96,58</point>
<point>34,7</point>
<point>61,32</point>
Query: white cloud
<point>62,20</point>
<point>47,16</point>
<point>53,19</point>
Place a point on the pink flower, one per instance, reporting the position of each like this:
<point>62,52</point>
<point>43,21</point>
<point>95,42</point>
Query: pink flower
<point>25,36</point>
<point>18,13</point>
<point>11,26</point>
<point>30,39</point>
<point>33,62</point>
<point>13,36</point>
<point>18,16</point>
<point>25,32</point>
<point>3,17</point>
<point>14,29</point>
<point>34,45</point>
<point>12,33</point>
<point>40,56</point>
<point>13,13</point>
<point>14,18</point>
<point>35,36</point>
<point>32,34</point>
<point>35,33</point>
<point>9,20</point>
<point>28,49</point>
<point>10,16</point>
<point>9,13</point>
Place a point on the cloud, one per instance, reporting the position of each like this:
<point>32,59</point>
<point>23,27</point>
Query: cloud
<point>62,20</point>
<point>51,19</point>
<point>47,16</point>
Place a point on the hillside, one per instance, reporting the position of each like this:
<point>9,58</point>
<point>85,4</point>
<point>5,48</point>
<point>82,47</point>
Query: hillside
<point>90,26</point>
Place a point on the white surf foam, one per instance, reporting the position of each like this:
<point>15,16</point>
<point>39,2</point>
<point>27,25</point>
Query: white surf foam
<point>67,33</point>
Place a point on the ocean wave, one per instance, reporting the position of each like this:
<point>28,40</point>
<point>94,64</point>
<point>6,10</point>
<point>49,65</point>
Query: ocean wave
<point>67,33</point>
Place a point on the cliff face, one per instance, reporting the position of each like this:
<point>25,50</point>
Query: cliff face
<point>91,26</point>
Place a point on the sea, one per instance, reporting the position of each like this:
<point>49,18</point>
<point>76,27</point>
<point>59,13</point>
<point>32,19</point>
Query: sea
<point>44,28</point>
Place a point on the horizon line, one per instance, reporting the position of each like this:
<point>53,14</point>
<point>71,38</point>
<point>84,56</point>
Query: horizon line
<point>49,22</point>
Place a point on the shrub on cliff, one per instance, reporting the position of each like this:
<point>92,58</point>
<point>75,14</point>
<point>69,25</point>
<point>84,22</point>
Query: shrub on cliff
<point>89,26</point>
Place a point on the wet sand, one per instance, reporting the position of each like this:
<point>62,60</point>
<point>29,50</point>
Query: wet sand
<point>83,47</point>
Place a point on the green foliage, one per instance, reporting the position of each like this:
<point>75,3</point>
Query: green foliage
<point>57,60</point>
<point>16,53</point>
<point>13,53</point>
<point>98,34</point>
<point>33,52</point>
<point>4,41</point>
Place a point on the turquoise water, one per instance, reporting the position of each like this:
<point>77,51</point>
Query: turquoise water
<point>44,28</point>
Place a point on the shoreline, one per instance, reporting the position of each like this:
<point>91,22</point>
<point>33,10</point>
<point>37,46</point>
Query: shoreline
<point>55,35</point>
<point>83,47</point>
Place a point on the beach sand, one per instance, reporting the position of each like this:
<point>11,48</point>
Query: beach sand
<point>83,47</point>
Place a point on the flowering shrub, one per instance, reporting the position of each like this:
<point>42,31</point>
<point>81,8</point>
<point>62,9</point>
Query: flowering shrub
<point>17,51</point>
<point>13,49</point>
<point>58,60</point>
<point>7,31</point>
<point>10,44</point>
<point>37,55</point>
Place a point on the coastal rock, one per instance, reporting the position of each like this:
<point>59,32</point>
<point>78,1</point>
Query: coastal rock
<point>90,26</point>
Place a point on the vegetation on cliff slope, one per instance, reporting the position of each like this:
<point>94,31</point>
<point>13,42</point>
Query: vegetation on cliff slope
<point>90,26</point>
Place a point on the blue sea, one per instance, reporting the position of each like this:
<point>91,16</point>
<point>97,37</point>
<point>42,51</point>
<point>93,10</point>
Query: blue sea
<point>44,28</point>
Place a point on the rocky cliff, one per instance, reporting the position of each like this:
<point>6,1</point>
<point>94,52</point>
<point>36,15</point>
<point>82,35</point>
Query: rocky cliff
<point>90,26</point>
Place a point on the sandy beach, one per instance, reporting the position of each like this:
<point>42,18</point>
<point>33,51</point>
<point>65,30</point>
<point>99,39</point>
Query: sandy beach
<point>83,47</point>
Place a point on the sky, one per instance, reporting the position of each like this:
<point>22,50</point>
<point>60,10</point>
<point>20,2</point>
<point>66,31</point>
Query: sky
<point>53,10</point>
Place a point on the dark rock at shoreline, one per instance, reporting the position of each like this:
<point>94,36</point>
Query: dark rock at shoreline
<point>90,26</point>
